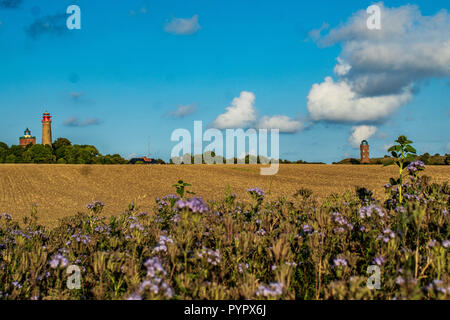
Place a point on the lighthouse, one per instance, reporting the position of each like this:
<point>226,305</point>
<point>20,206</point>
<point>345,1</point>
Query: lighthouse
<point>27,139</point>
<point>364,148</point>
<point>47,129</point>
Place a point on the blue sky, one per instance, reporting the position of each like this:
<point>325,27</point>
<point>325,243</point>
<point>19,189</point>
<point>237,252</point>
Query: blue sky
<point>119,81</point>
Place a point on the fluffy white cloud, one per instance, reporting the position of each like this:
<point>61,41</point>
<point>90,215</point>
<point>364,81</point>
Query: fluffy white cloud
<point>409,48</point>
<point>241,113</point>
<point>378,69</point>
<point>283,123</point>
<point>182,26</point>
<point>182,111</point>
<point>338,102</point>
<point>360,133</point>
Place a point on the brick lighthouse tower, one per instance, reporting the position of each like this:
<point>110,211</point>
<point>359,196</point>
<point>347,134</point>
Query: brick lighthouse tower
<point>27,139</point>
<point>364,147</point>
<point>47,129</point>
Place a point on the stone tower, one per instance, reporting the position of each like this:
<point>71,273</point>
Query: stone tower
<point>364,147</point>
<point>27,139</point>
<point>47,129</point>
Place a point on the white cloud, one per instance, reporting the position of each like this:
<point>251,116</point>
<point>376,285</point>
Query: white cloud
<point>181,26</point>
<point>360,133</point>
<point>448,146</point>
<point>409,48</point>
<point>338,102</point>
<point>241,113</point>
<point>283,123</point>
<point>342,68</point>
<point>182,111</point>
<point>378,70</point>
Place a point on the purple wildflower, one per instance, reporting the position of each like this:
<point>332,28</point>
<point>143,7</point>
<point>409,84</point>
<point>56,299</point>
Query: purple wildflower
<point>366,212</point>
<point>257,193</point>
<point>415,166</point>
<point>154,267</point>
<point>212,256</point>
<point>379,260</point>
<point>58,260</point>
<point>162,244</point>
<point>273,289</point>
<point>340,262</point>
<point>195,204</point>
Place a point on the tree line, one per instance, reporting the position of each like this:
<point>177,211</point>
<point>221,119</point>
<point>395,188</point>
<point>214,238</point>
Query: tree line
<point>61,151</point>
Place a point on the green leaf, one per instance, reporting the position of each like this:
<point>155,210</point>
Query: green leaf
<point>391,149</point>
<point>393,181</point>
<point>402,140</point>
<point>410,149</point>
<point>394,154</point>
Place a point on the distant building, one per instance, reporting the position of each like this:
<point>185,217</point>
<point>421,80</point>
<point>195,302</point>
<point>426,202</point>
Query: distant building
<point>143,160</point>
<point>364,148</point>
<point>47,129</point>
<point>27,139</point>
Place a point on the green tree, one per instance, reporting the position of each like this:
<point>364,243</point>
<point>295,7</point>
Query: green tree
<point>39,154</point>
<point>3,151</point>
<point>61,142</point>
<point>10,159</point>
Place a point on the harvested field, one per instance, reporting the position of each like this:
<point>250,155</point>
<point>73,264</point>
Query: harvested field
<point>63,190</point>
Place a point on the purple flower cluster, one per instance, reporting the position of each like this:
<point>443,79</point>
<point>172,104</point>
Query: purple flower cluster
<point>166,201</point>
<point>307,228</point>
<point>291,264</point>
<point>195,204</point>
<point>446,243</point>
<point>366,212</point>
<point>58,260</point>
<point>415,166</point>
<point>156,286</point>
<point>78,237</point>
<point>400,280</point>
<point>154,282</point>
<point>212,256</point>
<point>273,289</point>
<point>95,205</point>
<point>340,262</point>
<point>5,216</point>
<point>137,226</point>
<point>379,260</point>
<point>162,244</point>
<point>261,232</point>
<point>342,222</point>
<point>256,193</point>
<point>242,267</point>
<point>103,229</point>
<point>154,267</point>
<point>387,235</point>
